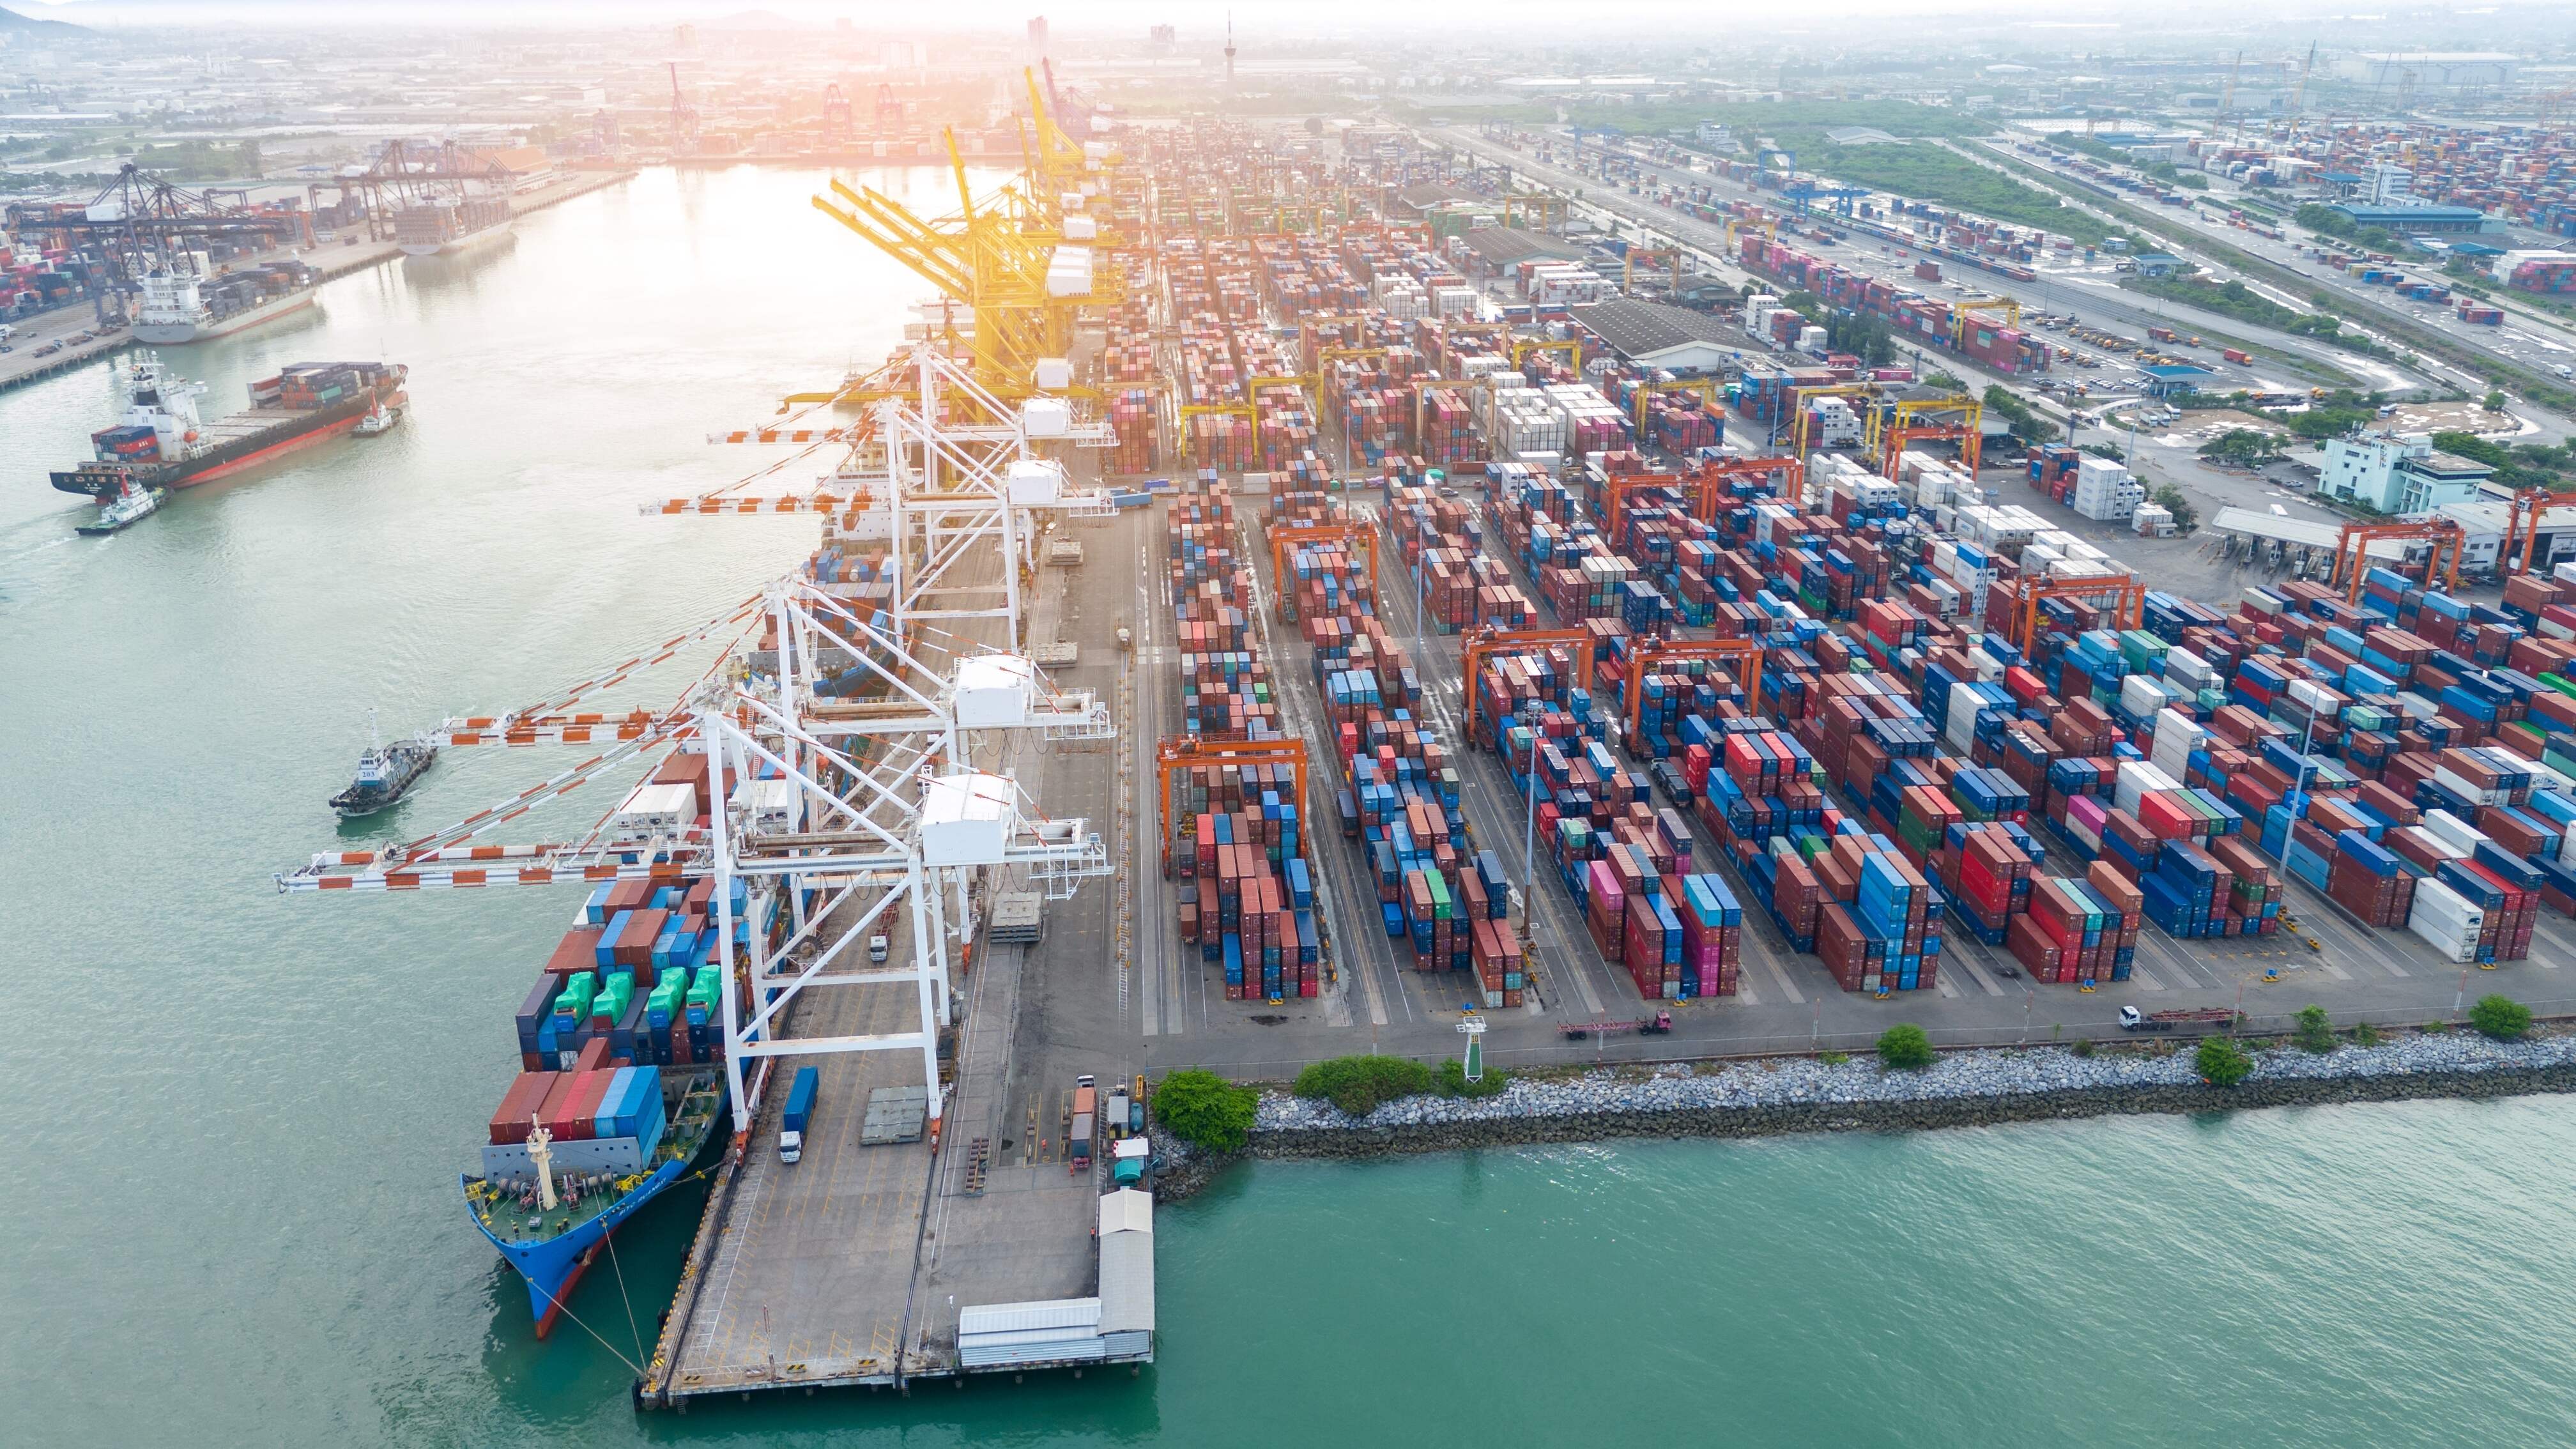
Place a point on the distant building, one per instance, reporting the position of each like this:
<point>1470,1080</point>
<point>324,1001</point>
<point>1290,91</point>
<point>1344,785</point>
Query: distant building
<point>2398,473</point>
<point>2391,186</point>
<point>2158,264</point>
<point>528,166</point>
<point>2420,220</point>
<point>2433,69</point>
<point>1710,133</point>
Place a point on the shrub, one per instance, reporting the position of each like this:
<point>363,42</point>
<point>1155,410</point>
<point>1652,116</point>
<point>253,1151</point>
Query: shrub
<point>2500,1017</point>
<point>1904,1047</point>
<point>2222,1063</point>
<point>2364,1034</point>
<point>2315,1032</point>
<point>2082,1046</point>
<point>1205,1110</point>
<point>1358,1084</point>
<point>1834,1059</point>
<point>1452,1081</point>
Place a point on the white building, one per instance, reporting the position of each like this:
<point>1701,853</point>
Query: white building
<point>2397,473</point>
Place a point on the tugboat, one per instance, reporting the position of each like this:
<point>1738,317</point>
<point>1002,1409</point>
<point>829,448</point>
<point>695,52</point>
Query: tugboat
<point>135,501</point>
<point>378,422</point>
<point>384,773</point>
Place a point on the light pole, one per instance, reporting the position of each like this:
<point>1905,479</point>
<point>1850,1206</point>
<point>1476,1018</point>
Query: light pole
<point>1529,836</point>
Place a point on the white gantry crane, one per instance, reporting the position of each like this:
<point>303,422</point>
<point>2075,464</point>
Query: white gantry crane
<point>844,790</point>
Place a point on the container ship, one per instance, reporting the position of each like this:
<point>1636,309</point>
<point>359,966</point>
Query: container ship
<point>451,224</point>
<point>160,442</point>
<point>621,1050</point>
<point>181,307</point>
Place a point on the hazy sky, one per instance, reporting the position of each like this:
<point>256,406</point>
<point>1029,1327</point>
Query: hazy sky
<point>1573,20</point>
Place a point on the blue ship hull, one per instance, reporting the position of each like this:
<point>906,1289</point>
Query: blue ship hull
<point>553,1266</point>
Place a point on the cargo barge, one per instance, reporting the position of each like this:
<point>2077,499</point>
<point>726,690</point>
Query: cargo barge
<point>160,441</point>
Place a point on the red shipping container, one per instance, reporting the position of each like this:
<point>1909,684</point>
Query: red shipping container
<point>525,1100</point>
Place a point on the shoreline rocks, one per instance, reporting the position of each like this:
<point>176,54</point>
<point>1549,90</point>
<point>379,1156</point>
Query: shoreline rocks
<point>1964,1089</point>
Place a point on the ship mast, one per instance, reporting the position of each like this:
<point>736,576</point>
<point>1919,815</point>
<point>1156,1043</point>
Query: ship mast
<point>542,1153</point>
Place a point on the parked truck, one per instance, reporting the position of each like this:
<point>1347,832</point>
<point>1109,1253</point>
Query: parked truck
<point>798,1116</point>
<point>1085,1124</point>
<point>2132,1019</point>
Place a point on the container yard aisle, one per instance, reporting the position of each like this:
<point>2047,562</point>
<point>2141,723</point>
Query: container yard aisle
<point>1495,812</point>
<point>1367,963</point>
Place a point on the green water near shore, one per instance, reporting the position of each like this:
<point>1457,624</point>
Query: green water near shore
<point>234,1220</point>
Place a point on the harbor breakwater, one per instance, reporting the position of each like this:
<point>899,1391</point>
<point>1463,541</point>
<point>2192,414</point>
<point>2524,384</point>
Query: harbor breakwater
<point>1774,1096</point>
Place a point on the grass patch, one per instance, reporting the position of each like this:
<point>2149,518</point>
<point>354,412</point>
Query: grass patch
<point>1932,173</point>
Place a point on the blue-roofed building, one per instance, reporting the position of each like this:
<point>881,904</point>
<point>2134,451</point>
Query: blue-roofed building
<point>2415,219</point>
<point>2170,379</point>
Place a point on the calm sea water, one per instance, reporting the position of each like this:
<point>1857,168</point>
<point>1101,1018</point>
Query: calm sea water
<point>233,1219</point>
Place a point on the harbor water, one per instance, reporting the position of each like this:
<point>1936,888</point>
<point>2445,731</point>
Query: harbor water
<point>234,1216</point>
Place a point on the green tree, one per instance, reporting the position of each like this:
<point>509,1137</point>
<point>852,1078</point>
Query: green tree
<point>2171,500</point>
<point>2243,447</point>
<point>2222,1063</point>
<point>1357,1084</point>
<point>2495,401</point>
<point>1205,1110</point>
<point>2501,1017</point>
<point>1904,1047</point>
<point>2470,445</point>
<point>2315,1032</point>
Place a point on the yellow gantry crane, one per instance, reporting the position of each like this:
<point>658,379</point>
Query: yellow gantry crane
<point>1893,425</point>
<point>1964,311</point>
<point>995,257</point>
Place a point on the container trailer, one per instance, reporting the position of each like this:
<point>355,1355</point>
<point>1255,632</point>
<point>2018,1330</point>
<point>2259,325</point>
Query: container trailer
<point>2132,1019</point>
<point>799,1115</point>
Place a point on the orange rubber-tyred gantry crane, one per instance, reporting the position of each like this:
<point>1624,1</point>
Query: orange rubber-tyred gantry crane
<point>1893,442</point>
<point>1286,537</point>
<point>2352,551</point>
<point>1617,487</point>
<point>1743,657</point>
<point>1175,754</point>
<point>1713,475</point>
<point>2128,596</point>
<point>1484,641</point>
<point>2522,522</point>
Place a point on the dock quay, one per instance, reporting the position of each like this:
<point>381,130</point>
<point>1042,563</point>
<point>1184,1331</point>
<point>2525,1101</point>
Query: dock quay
<point>855,1266</point>
<point>22,366</point>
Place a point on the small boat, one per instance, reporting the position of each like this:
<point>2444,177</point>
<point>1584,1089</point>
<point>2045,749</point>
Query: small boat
<point>384,773</point>
<point>135,501</point>
<point>379,421</point>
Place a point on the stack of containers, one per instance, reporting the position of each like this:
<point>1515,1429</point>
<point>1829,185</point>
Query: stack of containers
<point>1879,930</point>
